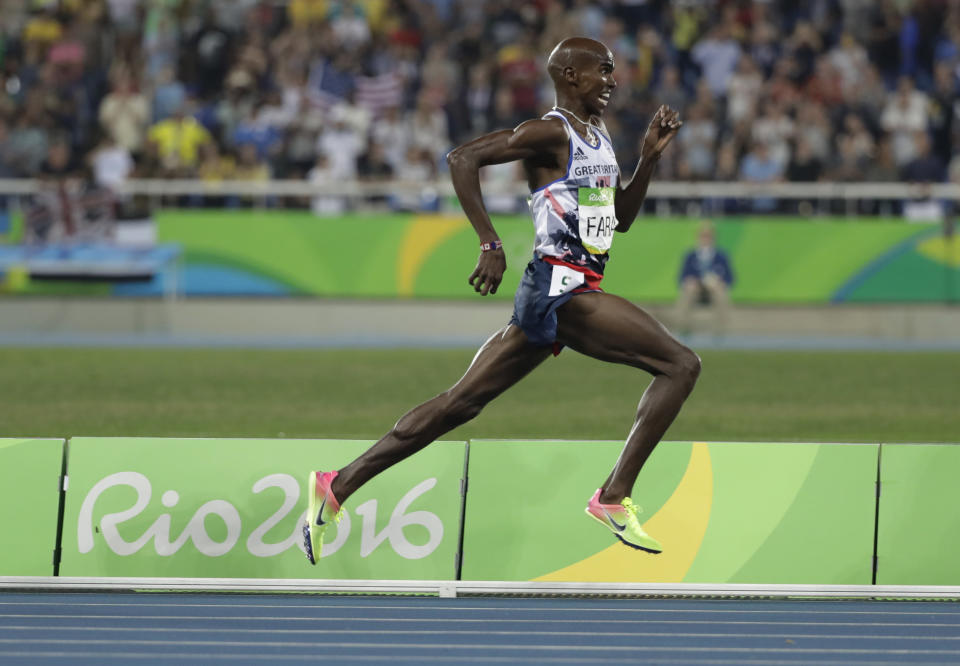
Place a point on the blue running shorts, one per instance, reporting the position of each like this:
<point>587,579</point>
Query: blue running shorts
<point>543,288</point>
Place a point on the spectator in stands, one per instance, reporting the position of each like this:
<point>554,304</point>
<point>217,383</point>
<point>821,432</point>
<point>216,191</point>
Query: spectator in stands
<point>925,167</point>
<point>804,165</point>
<point>111,163</point>
<point>848,164</point>
<point>42,29</point>
<point>299,149</point>
<point>868,96</point>
<point>390,131</point>
<point>342,145</point>
<point>161,40</point>
<point>698,138</point>
<point>904,115</point>
<point>883,167</point>
<point>427,129</point>
<point>169,94</point>
<point>671,91</point>
<point>178,140</point>
<point>373,167</point>
<point>774,129</point>
<point>498,180</point>
<point>324,175</point>
<point>259,129</point>
<point>717,55</point>
<point>6,171</point>
<point>250,167</point>
<point>706,276</point>
<point>479,99</point>
<point>826,85</point>
<point>28,140</point>
<point>355,115</point>
<point>60,163</point>
<point>855,133</point>
<point>432,72</point>
<point>814,126</point>
<point>943,110</point>
<point>6,166</point>
<point>214,168</point>
<point>419,166</point>
<point>686,20</point>
<point>764,45</point>
<point>803,47</point>
<point>760,166</point>
<point>209,50</point>
<point>349,24</point>
<point>744,90</point>
<point>124,113</point>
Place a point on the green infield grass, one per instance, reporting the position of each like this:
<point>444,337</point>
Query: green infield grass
<point>741,396</point>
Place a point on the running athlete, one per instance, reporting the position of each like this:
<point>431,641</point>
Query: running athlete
<point>578,201</point>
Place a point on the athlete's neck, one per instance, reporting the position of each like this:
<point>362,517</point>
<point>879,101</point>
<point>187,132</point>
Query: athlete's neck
<point>585,121</point>
<point>576,108</point>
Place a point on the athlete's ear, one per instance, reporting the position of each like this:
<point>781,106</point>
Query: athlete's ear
<point>570,75</point>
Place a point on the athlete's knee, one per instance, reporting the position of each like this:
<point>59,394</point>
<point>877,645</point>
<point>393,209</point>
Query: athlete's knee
<point>687,366</point>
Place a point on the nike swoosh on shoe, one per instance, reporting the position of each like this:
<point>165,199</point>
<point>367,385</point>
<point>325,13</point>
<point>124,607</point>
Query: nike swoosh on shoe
<point>615,523</point>
<point>320,520</point>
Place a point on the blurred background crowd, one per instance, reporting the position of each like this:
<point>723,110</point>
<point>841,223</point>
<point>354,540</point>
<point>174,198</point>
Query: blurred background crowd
<point>334,90</point>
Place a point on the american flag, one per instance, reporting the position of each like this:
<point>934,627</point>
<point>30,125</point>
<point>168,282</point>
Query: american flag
<point>376,93</point>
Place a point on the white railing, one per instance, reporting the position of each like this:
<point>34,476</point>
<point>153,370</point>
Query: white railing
<point>442,187</point>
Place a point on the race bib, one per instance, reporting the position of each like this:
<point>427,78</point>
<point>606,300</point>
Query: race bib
<point>564,280</point>
<point>597,218</point>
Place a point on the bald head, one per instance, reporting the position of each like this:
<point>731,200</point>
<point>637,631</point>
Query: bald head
<point>575,52</point>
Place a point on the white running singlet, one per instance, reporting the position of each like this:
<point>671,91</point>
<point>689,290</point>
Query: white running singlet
<point>574,216</point>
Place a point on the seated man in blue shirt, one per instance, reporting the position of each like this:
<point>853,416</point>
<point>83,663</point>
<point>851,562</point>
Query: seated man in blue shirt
<point>706,277</point>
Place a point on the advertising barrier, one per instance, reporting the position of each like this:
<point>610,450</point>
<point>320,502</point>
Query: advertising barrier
<point>727,513</point>
<point>918,526</point>
<point>29,502</point>
<point>737,513</point>
<point>234,508</point>
<point>776,260</point>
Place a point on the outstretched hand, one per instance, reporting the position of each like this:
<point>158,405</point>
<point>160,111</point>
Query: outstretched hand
<point>486,277</point>
<point>664,126</point>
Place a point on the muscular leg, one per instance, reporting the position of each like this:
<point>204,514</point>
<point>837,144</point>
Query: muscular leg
<point>610,328</point>
<point>502,361</point>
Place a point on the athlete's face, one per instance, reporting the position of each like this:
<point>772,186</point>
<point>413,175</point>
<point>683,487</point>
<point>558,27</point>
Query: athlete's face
<point>596,81</point>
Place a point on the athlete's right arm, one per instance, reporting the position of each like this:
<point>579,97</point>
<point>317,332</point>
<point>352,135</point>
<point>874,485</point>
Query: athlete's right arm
<point>526,141</point>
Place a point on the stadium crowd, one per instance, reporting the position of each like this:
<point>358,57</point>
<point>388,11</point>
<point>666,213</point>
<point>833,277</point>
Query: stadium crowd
<point>332,90</point>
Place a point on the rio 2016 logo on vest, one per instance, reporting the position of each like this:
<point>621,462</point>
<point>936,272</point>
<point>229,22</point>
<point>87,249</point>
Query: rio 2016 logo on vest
<point>227,513</point>
<point>598,218</point>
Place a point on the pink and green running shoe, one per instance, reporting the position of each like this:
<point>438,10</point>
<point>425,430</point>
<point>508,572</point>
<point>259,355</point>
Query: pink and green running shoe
<point>323,508</point>
<point>622,520</point>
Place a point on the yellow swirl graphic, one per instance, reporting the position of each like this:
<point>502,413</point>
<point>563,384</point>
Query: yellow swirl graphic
<point>942,250</point>
<point>423,236</point>
<point>679,525</point>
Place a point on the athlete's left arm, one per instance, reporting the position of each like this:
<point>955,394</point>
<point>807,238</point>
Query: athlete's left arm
<point>664,126</point>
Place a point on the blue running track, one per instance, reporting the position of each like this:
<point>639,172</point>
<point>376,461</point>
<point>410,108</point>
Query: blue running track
<point>190,628</point>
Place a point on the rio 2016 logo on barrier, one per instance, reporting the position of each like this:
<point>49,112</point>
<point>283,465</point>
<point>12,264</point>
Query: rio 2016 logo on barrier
<point>195,531</point>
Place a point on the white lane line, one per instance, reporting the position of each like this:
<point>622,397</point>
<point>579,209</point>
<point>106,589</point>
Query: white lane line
<point>261,618</point>
<point>194,656</point>
<point>440,607</point>
<point>483,632</point>
<point>484,646</point>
